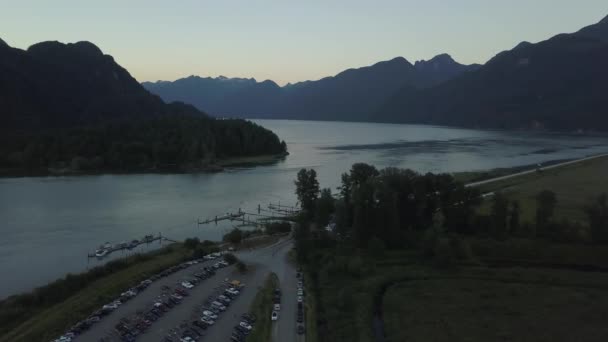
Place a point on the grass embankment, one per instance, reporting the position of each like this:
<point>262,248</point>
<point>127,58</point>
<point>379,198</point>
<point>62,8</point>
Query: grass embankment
<point>41,323</point>
<point>310,310</point>
<point>261,308</point>
<point>575,185</point>
<point>493,305</point>
<point>259,241</point>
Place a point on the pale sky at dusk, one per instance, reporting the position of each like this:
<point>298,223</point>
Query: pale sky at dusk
<point>288,41</point>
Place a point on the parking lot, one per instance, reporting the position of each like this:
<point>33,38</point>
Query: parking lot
<point>159,291</point>
<point>166,307</point>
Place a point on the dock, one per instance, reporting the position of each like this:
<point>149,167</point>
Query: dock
<point>105,251</point>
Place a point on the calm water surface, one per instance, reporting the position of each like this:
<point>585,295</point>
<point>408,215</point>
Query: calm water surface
<point>49,224</point>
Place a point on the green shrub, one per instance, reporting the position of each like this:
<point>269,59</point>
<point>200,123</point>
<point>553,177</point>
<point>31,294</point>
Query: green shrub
<point>230,258</point>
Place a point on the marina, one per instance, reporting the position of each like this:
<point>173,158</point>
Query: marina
<point>108,248</point>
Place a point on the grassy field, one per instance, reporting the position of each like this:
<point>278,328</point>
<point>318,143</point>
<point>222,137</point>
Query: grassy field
<point>576,185</point>
<point>540,251</point>
<point>262,307</point>
<point>347,290</point>
<point>52,322</point>
<point>505,305</point>
<point>345,296</point>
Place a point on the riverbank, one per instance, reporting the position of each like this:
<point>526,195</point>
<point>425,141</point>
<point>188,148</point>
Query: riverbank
<point>50,310</point>
<point>213,166</point>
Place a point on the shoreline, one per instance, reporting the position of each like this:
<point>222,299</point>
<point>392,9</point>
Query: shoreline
<point>216,166</point>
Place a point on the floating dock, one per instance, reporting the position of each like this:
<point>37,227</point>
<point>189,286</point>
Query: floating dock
<point>104,251</point>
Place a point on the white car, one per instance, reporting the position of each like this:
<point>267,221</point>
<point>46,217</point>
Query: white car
<point>274,316</point>
<point>300,292</point>
<point>277,307</point>
<point>186,339</point>
<point>218,306</point>
<point>224,298</point>
<point>232,291</point>
<point>209,314</point>
<point>187,285</point>
<point>245,325</point>
<point>207,320</point>
<point>208,257</point>
<point>299,299</point>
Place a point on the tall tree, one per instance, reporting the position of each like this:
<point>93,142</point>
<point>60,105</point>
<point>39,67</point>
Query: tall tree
<point>597,214</point>
<point>545,207</point>
<point>514,214</point>
<point>499,214</point>
<point>307,189</point>
<point>325,207</point>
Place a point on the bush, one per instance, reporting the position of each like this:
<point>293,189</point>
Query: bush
<point>376,247</point>
<point>241,267</point>
<point>278,227</point>
<point>461,249</point>
<point>192,243</point>
<point>442,253</point>
<point>235,236</point>
<point>230,258</point>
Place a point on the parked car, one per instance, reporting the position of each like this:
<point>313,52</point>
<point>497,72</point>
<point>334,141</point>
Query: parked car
<point>207,320</point>
<point>249,317</point>
<point>277,307</point>
<point>246,325</point>
<point>210,314</point>
<point>218,305</point>
<point>274,316</point>
<point>300,329</point>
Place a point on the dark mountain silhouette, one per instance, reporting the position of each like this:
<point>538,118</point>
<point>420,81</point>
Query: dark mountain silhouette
<point>69,105</point>
<point>559,83</point>
<point>57,85</point>
<point>440,69</point>
<point>351,95</point>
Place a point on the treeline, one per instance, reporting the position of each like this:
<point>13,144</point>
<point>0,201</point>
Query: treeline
<point>396,207</point>
<point>176,143</point>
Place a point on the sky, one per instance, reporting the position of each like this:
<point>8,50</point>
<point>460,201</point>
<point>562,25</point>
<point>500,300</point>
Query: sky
<point>289,41</point>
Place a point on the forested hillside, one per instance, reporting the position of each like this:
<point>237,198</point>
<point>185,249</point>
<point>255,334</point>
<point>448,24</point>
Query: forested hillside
<point>70,108</point>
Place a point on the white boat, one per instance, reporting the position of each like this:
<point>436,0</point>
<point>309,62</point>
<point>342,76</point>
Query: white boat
<point>100,253</point>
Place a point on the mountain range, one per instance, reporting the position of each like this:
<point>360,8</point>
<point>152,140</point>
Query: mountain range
<point>557,84</point>
<point>350,95</point>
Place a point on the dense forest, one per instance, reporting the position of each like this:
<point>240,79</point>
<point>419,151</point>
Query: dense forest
<point>69,108</point>
<point>171,143</point>
<point>397,208</point>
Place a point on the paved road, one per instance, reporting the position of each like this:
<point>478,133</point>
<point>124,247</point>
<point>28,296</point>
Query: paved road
<point>274,258</point>
<point>535,170</point>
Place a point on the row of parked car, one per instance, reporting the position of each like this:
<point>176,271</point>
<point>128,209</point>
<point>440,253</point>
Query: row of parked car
<point>108,308</point>
<point>208,313</point>
<point>242,330</point>
<point>129,329</point>
<point>300,328</point>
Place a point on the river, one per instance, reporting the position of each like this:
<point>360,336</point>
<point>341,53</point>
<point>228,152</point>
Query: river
<point>49,224</point>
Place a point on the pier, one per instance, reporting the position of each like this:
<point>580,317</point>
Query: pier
<point>104,251</point>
